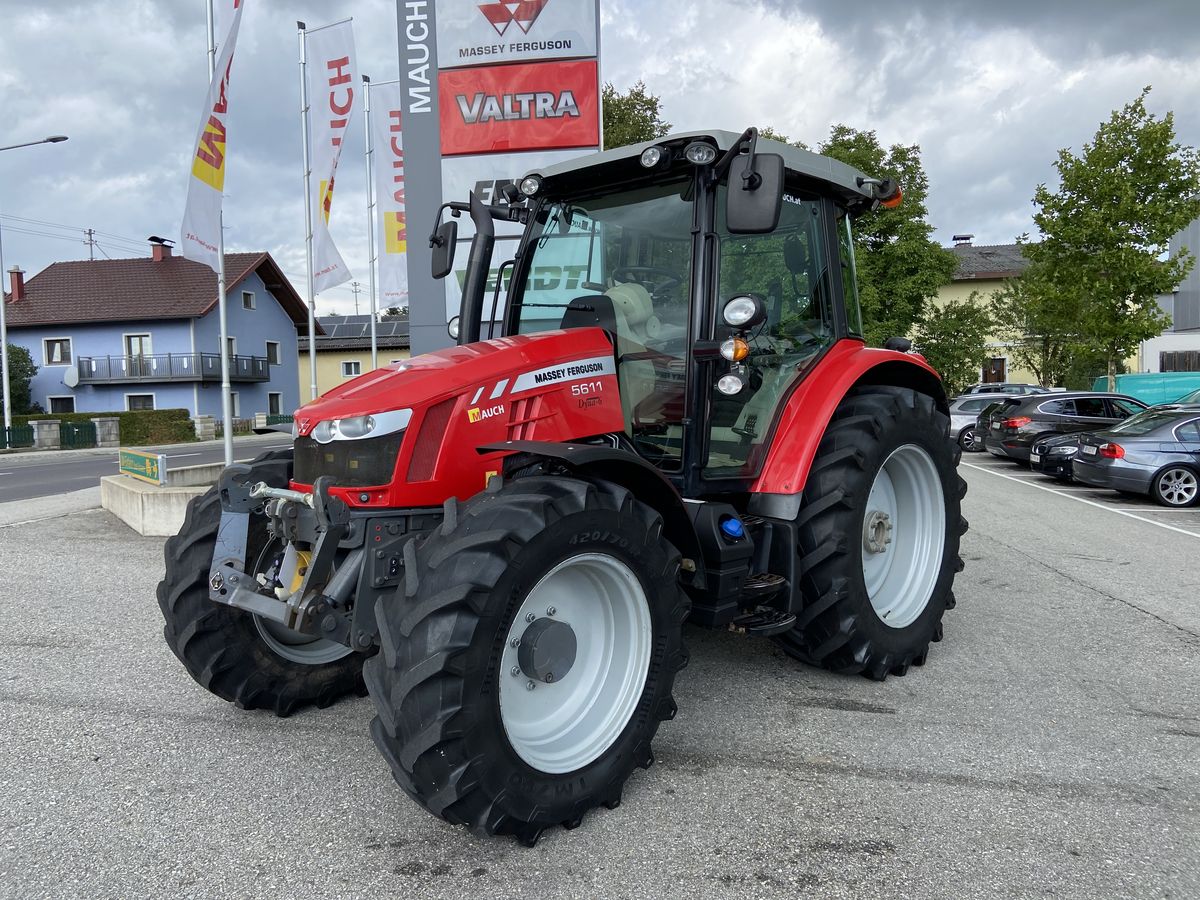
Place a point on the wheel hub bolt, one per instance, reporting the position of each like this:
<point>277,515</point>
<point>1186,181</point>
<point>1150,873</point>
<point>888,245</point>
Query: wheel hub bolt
<point>549,678</point>
<point>550,610</point>
<point>529,685</point>
<point>877,531</point>
<point>515,642</point>
<point>516,671</point>
<point>531,617</point>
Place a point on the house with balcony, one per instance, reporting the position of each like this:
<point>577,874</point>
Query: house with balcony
<point>126,334</point>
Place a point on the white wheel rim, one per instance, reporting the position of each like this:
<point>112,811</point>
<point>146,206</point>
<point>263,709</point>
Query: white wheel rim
<point>1177,486</point>
<point>294,646</point>
<point>566,724</point>
<point>903,536</point>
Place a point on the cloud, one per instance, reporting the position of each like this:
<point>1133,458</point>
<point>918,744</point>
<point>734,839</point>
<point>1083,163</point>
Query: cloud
<point>990,92</point>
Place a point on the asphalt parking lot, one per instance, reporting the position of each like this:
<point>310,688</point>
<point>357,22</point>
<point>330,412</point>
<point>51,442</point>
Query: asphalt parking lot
<point>1050,747</point>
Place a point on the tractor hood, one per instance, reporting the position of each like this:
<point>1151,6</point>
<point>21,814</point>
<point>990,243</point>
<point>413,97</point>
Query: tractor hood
<point>487,370</point>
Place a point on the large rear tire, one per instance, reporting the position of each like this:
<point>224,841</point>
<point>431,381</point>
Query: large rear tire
<point>251,662</point>
<point>529,658</point>
<point>879,533</point>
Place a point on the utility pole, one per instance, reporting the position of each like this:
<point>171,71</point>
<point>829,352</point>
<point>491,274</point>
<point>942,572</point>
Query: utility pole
<point>91,242</point>
<point>356,286</point>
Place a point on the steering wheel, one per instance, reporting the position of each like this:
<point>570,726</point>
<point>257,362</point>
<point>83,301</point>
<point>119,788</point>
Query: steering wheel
<point>652,278</point>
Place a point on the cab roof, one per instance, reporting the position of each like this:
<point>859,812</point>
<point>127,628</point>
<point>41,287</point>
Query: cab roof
<point>837,175</point>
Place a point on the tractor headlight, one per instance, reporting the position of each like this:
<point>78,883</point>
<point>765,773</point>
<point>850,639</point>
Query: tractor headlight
<point>730,385</point>
<point>735,349</point>
<point>530,185</point>
<point>356,428</point>
<point>744,311</point>
<point>700,153</point>
<point>653,157</point>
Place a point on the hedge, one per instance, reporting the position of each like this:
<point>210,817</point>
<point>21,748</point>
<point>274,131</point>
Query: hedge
<point>139,426</point>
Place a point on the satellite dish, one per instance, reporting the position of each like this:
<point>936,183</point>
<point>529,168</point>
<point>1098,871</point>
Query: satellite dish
<point>71,377</point>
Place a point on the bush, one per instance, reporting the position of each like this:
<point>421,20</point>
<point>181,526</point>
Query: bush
<point>140,426</point>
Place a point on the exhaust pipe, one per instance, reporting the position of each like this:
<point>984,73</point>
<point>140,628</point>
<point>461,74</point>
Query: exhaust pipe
<point>470,312</point>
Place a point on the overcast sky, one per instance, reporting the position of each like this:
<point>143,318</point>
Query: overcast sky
<point>990,91</point>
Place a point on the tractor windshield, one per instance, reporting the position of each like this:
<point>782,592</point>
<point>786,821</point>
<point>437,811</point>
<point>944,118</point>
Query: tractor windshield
<point>633,249</point>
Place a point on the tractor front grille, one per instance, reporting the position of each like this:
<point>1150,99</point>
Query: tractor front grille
<point>366,463</point>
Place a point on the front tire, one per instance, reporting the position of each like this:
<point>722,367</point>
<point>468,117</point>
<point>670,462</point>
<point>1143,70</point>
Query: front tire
<point>515,739</point>
<point>235,655</point>
<point>970,441</point>
<point>879,533</point>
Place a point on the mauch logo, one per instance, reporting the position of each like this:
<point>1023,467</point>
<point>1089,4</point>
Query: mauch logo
<point>503,13</point>
<point>475,414</point>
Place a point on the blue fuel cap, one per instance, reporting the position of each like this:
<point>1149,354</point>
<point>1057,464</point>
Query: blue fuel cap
<point>732,528</point>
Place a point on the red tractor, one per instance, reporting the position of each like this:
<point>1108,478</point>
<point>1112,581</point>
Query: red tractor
<point>674,418</point>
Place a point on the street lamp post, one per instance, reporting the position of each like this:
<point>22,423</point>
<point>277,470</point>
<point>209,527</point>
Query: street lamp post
<point>53,139</point>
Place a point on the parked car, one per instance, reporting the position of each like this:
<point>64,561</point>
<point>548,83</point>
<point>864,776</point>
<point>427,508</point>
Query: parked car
<point>1005,387</point>
<point>1053,455</point>
<point>1012,430</point>
<point>964,417</point>
<point>1157,454</point>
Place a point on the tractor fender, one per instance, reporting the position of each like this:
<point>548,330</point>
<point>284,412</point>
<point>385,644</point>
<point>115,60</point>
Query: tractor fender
<point>626,469</point>
<point>808,410</point>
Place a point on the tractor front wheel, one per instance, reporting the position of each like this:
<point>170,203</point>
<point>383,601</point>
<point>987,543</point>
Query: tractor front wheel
<point>529,658</point>
<point>253,662</point>
<point>879,533</point>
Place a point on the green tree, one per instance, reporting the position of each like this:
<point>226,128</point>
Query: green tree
<point>900,266</point>
<point>21,372</point>
<point>1039,325</point>
<point>394,312</point>
<point>1108,226</point>
<point>632,117</point>
<point>954,337</point>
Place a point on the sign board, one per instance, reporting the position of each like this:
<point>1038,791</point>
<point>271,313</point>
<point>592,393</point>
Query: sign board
<point>487,32</point>
<point>491,90</point>
<point>151,467</point>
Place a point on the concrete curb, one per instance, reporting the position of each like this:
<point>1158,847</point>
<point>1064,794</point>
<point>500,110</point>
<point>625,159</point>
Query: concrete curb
<point>17,512</point>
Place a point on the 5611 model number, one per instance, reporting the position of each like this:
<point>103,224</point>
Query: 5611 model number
<point>586,392</point>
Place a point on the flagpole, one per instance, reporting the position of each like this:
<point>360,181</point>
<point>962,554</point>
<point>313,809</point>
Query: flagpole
<point>222,318</point>
<point>371,220</point>
<point>308,223</point>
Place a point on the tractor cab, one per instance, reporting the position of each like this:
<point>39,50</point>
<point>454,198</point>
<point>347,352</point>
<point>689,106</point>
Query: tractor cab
<point>721,266</point>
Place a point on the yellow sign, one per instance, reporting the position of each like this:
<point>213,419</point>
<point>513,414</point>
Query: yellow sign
<point>395,231</point>
<point>151,467</point>
<point>473,414</point>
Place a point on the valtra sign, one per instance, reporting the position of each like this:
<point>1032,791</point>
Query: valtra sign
<point>519,107</point>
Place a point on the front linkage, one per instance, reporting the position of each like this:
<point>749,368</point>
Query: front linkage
<point>328,591</point>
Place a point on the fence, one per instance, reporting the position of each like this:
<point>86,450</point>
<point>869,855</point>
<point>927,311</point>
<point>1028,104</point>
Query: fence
<point>17,436</point>
<point>280,420</point>
<point>240,426</point>
<point>76,435</point>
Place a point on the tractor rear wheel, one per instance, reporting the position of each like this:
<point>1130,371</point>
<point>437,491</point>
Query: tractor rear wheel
<point>879,533</point>
<point>530,656</point>
<point>255,663</point>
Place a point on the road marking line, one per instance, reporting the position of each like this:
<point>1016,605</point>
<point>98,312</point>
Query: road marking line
<point>1060,493</point>
<point>182,455</point>
<point>1149,510</point>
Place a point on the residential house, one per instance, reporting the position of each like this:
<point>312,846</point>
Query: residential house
<point>1178,348</point>
<point>344,350</point>
<point>125,334</point>
<point>984,269</point>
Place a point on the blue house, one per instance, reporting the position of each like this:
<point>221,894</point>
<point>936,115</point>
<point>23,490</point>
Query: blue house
<point>123,334</point>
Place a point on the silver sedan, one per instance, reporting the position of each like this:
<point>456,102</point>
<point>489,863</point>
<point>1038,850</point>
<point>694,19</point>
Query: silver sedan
<point>1156,452</point>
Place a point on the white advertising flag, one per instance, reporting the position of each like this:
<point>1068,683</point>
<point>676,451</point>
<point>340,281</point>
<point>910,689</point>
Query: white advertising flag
<point>392,227</point>
<point>206,185</point>
<point>331,68</point>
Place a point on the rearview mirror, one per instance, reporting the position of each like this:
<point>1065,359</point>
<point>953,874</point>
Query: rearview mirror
<point>754,209</point>
<point>443,243</point>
